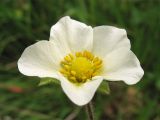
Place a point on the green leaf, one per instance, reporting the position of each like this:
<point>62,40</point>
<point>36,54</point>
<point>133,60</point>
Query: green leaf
<point>46,81</point>
<point>104,88</point>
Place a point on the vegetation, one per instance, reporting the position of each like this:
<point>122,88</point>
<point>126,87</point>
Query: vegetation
<point>23,22</point>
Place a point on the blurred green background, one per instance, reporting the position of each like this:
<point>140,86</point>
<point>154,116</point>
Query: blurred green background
<point>23,22</point>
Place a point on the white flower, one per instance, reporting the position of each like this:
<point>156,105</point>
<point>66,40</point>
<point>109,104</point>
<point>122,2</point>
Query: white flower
<point>80,57</point>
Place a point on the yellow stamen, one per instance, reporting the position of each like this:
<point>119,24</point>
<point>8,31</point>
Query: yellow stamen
<point>80,67</point>
<point>67,67</point>
<point>73,73</point>
<point>78,54</point>
<point>71,56</point>
<point>73,79</point>
<point>68,58</point>
<point>95,59</point>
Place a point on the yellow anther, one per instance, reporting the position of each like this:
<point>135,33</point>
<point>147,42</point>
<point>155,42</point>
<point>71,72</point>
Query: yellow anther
<point>67,67</point>
<point>84,77</point>
<point>91,57</point>
<point>88,54</point>
<point>73,73</point>
<point>78,54</point>
<point>89,73</point>
<point>98,66</point>
<point>85,53</point>
<point>63,63</point>
<point>63,71</point>
<point>73,79</point>
<point>95,59</point>
<point>71,56</point>
<point>95,73</point>
<point>80,67</point>
<point>68,59</point>
<point>98,62</point>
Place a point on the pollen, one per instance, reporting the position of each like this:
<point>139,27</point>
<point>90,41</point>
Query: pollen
<point>80,67</point>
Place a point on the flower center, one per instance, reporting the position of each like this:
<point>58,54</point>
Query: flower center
<point>81,66</point>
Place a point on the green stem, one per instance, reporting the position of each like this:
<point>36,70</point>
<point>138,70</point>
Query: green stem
<point>89,111</point>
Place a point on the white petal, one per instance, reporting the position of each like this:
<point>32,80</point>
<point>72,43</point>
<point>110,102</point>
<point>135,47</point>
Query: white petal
<point>40,59</point>
<point>72,35</point>
<point>123,65</point>
<point>81,94</point>
<point>107,38</point>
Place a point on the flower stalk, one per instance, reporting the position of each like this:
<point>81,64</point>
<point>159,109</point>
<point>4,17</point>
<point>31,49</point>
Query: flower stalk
<point>89,111</point>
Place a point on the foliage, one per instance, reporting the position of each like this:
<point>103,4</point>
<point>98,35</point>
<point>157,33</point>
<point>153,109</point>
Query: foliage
<point>23,22</point>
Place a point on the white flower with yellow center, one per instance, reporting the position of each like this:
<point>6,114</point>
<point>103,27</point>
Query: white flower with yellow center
<point>80,57</point>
